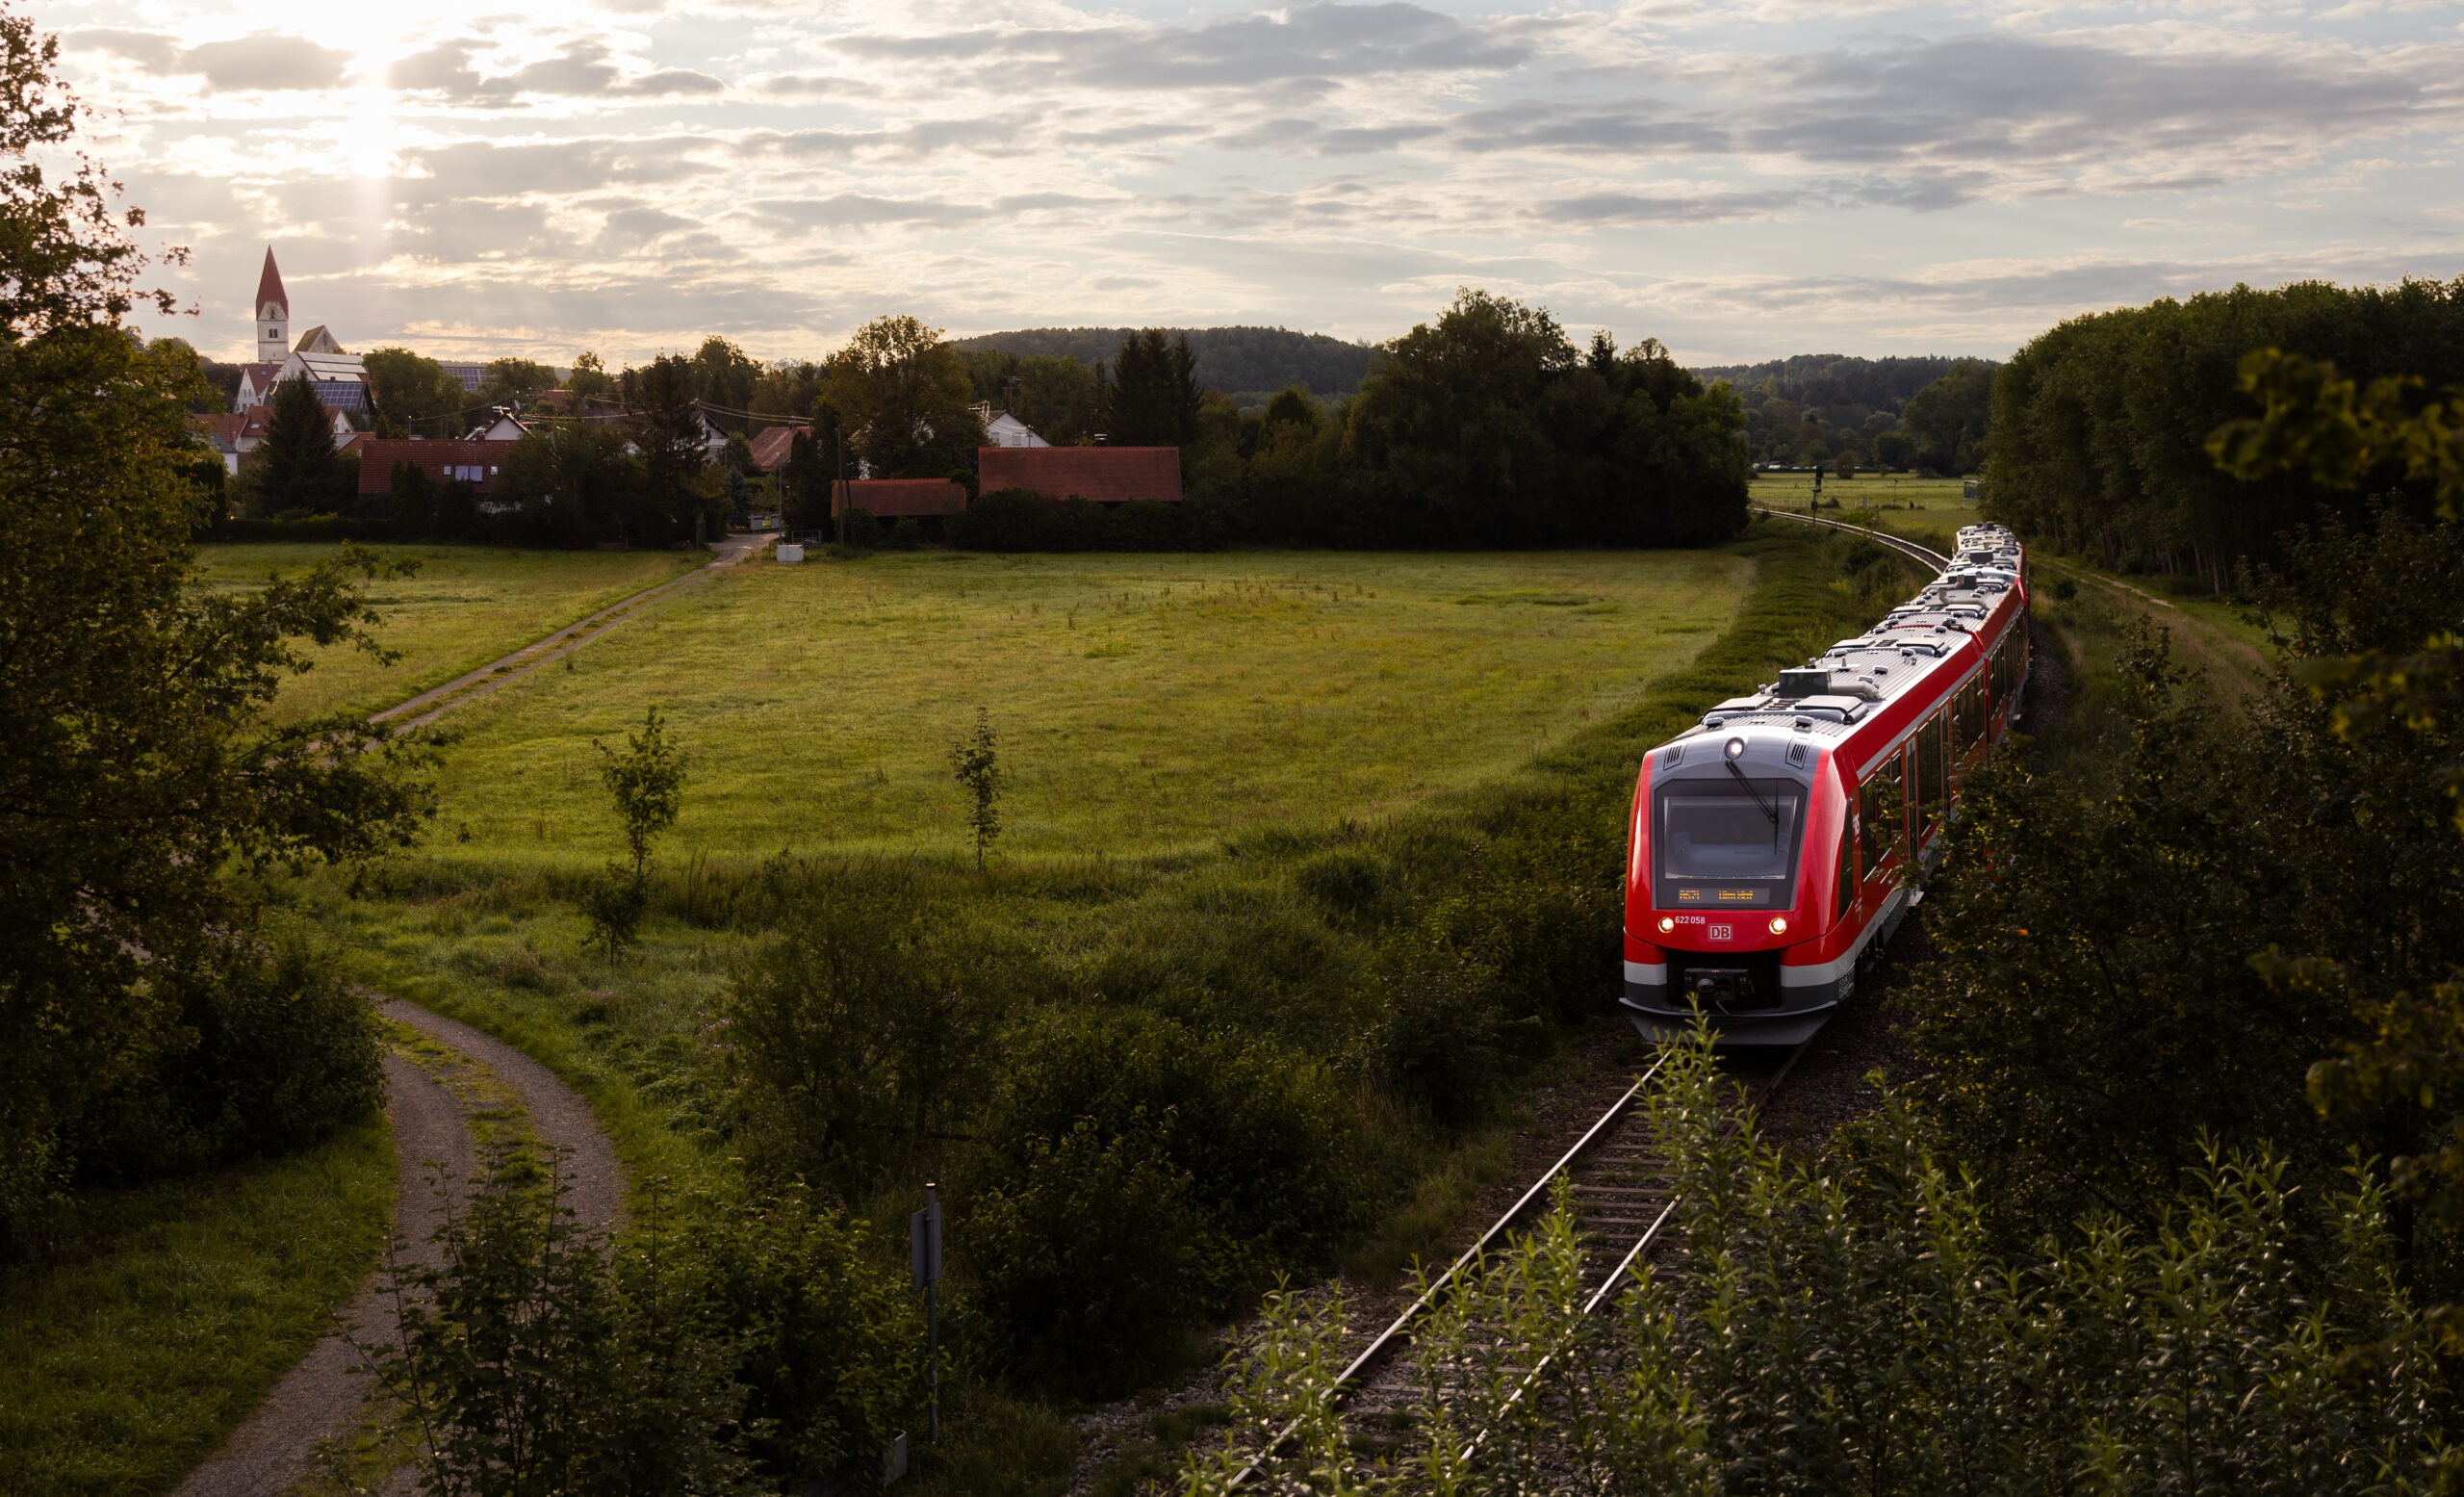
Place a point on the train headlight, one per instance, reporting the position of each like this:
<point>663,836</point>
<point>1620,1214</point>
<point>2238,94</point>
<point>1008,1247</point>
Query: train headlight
<point>1779,925</point>
<point>1667,924</point>
<point>1735,748</point>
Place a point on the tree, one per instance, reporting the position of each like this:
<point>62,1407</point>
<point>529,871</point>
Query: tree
<point>294,470</point>
<point>416,392</point>
<point>571,482</point>
<point>137,764</point>
<point>646,782</point>
<point>1447,429</point>
<point>975,762</point>
<point>669,432</point>
<point>903,398</point>
<point>788,389</point>
<point>514,382</point>
<point>590,379</point>
<point>725,375</point>
<point>1152,398</point>
<point>1947,420</point>
<point>2378,628</point>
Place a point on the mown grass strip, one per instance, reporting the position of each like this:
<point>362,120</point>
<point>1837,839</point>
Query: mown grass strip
<point>173,1309</point>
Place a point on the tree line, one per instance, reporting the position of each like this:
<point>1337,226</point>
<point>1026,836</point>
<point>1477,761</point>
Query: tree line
<point>2098,425</point>
<point>1923,414</point>
<point>1485,426</point>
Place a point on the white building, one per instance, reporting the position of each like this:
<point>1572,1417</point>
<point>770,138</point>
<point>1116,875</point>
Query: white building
<point>1008,430</point>
<point>340,378</point>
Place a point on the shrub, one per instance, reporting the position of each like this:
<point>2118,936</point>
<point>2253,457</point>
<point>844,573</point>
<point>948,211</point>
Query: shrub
<point>1087,1249</point>
<point>742,1351</point>
<point>1262,1133</point>
<point>829,1350</point>
<point>278,1054</point>
<point>853,1035</point>
<point>1845,1326</point>
<point>1435,1043</point>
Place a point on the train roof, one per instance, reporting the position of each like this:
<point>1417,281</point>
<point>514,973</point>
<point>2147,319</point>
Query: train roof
<point>1850,682</point>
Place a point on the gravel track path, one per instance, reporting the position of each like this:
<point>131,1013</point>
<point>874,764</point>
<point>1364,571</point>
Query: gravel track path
<point>321,1397</point>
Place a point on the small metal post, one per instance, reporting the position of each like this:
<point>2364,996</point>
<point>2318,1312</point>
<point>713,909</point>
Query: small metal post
<point>924,1258</point>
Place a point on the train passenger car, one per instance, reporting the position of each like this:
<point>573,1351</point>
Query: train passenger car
<point>1767,842</point>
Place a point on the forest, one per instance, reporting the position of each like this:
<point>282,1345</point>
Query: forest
<point>1248,364</point>
<point>2098,425</point>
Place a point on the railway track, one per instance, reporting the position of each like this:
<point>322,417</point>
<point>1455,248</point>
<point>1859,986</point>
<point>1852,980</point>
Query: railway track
<point>1623,1205</point>
<point>1898,543</point>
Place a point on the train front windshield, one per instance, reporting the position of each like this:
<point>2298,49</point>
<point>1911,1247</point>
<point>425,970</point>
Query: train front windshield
<point>1724,844</point>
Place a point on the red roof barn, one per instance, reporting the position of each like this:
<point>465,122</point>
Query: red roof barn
<point>885,497</point>
<point>475,462</point>
<point>1101,475</point>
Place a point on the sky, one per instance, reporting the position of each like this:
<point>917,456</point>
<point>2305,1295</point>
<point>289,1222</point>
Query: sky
<point>1741,180</point>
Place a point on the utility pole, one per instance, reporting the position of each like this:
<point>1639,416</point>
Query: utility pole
<point>924,1257</point>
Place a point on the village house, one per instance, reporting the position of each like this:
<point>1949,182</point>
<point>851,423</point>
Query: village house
<point>234,434</point>
<point>900,499</point>
<point>477,463</point>
<point>1098,474</point>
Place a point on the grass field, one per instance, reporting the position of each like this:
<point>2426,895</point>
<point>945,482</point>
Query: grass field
<point>1455,708</point>
<point>1144,704</point>
<point>465,606</point>
<point>175,1307</point>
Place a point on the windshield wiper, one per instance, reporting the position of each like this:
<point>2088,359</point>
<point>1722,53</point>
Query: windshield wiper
<point>1770,812</point>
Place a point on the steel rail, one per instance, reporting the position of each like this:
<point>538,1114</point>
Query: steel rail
<point>1898,543</point>
<point>1600,1297</point>
<point>1391,1338</point>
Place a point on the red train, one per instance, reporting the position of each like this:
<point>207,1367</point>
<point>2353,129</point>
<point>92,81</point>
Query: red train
<point>1764,862</point>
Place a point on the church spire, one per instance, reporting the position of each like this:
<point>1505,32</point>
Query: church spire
<point>273,314</point>
<point>270,291</point>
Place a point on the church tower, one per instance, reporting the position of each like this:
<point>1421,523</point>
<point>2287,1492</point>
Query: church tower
<point>273,315</point>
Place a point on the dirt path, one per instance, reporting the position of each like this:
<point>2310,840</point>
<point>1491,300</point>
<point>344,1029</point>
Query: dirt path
<point>322,1397</point>
<point>434,703</point>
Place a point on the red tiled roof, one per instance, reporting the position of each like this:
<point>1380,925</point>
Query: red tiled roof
<point>770,447</point>
<point>884,498</point>
<point>1103,475</point>
<point>377,458</point>
<point>269,285</point>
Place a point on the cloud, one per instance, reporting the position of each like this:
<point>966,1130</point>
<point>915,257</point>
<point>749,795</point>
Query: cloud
<point>1993,107</point>
<point>581,69</point>
<point>156,52</point>
<point>1303,50</point>
<point>1603,209</point>
<point>265,61</point>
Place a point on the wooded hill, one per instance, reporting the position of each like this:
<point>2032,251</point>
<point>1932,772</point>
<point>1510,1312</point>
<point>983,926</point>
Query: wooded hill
<point>1235,360</point>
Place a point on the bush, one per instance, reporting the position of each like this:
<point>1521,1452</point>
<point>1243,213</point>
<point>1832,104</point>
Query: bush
<point>1436,1040</point>
<point>304,528</point>
<point>272,1053</point>
<point>1846,1327</point>
<point>1013,520</point>
<point>747,1350</point>
<point>852,1036</point>
<point>1137,1175</point>
<point>1087,1251</point>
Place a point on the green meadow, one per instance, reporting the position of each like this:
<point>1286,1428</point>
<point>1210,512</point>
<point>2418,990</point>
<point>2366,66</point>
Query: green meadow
<point>1145,704</point>
<point>464,607</point>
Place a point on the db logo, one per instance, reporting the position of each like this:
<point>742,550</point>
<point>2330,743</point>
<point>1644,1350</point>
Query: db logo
<point>1721,932</point>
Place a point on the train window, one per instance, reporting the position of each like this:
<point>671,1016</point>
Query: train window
<point>1929,739</point>
<point>1878,804</point>
<point>1711,832</point>
<point>1909,788</point>
<point>1720,843</point>
<point>1843,878</point>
